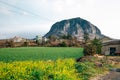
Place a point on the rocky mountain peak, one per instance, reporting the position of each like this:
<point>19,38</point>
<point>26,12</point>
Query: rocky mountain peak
<point>76,27</point>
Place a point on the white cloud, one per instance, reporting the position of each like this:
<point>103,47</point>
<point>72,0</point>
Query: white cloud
<point>25,13</point>
<point>102,13</point>
<point>21,28</point>
<point>43,28</point>
<point>5,11</point>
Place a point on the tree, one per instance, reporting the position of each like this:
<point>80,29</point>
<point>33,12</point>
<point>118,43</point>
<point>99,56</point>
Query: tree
<point>53,38</point>
<point>86,37</point>
<point>93,48</point>
<point>89,49</point>
<point>12,44</point>
<point>26,43</point>
<point>66,36</point>
<point>38,40</point>
<point>63,44</point>
<point>96,42</point>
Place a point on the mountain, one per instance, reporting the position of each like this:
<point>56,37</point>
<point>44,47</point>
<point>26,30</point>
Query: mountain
<point>76,27</point>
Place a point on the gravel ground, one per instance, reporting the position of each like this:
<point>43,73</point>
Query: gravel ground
<point>112,75</point>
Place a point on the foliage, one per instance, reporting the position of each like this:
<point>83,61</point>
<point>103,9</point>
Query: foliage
<point>66,37</point>
<point>93,48</point>
<point>38,40</point>
<point>53,38</point>
<point>39,70</point>
<point>86,37</point>
<point>87,70</point>
<point>26,44</point>
<point>61,69</point>
<point>89,49</point>
<point>39,53</point>
<point>63,44</point>
<point>12,44</point>
<point>96,42</point>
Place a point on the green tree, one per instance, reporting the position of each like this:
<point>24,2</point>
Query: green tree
<point>53,38</point>
<point>89,49</point>
<point>93,48</point>
<point>63,44</point>
<point>66,36</point>
<point>26,43</point>
<point>96,42</point>
<point>12,44</point>
<point>38,40</point>
<point>86,37</point>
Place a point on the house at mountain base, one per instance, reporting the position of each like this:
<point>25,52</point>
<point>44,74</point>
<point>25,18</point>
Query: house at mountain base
<point>111,47</point>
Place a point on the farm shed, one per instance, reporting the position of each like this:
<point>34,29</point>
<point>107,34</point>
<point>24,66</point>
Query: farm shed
<point>111,47</point>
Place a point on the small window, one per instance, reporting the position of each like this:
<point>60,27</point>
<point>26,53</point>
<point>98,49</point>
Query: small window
<point>112,50</point>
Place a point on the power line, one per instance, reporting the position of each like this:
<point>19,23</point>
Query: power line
<point>33,14</point>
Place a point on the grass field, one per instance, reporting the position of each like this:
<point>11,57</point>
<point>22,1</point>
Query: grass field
<point>47,63</point>
<point>38,53</point>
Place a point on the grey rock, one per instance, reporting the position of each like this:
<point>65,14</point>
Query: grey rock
<point>118,69</point>
<point>75,27</point>
<point>115,69</point>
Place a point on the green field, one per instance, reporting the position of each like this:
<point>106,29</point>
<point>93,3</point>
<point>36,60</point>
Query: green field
<point>39,53</point>
<point>46,63</point>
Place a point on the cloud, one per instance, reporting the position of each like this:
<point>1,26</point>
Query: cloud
<point>25,13</point>
<point>5,11</point>
<point>59,9</point>
<point>20,28</point>
<point>102,13</point>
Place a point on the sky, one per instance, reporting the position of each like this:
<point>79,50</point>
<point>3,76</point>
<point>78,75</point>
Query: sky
<point>28,18</point>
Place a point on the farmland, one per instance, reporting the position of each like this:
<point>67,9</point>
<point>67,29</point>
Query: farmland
<point>39,63</point>
<point>48,63</point>
<point>60,69</point>
<point>38,53</point>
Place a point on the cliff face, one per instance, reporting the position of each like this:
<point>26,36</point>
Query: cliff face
<point>75,27</point>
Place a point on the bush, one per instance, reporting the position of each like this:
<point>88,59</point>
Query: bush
<point>93,48</point>
<point>89,50</point>
<point>63,44</point>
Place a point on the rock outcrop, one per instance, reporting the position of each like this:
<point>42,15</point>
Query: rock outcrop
<point>76,27</point>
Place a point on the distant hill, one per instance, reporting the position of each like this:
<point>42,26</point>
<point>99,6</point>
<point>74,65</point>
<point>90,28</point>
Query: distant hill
<point>76,27</point>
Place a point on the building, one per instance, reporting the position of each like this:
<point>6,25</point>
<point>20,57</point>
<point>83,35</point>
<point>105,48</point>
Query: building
<point>38,39</point>
<point>44,39</point>
<point>18,39</point>
<point>111,47</point>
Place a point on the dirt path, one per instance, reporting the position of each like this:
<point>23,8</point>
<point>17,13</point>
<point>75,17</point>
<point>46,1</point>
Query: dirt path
<point>112,75</point>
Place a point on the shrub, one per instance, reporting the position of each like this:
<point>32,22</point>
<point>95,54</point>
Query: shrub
<point>63,44</point>
<point>93,48</point>
<point>89,49</point>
